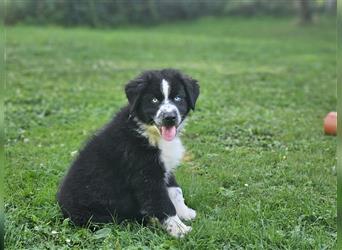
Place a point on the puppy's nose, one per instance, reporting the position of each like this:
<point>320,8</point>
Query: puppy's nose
<point>169,118</point>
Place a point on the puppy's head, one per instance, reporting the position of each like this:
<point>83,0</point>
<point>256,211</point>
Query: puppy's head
<point>162,99</point>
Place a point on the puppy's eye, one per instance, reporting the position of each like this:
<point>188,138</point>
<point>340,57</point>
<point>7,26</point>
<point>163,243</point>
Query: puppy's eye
<point>177,99</point>
<point>154,100</point>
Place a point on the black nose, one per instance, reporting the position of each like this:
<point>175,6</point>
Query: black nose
<point>169,118</point>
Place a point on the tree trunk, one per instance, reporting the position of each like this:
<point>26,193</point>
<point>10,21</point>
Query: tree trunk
<point>305,11</point>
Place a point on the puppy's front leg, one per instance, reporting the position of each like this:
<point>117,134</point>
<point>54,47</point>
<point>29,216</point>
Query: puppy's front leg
<point>154,201</point>
<point>176,196</point>
<point>182,210</point>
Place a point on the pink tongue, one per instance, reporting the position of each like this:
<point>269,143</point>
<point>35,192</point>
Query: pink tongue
<point>168,133</point>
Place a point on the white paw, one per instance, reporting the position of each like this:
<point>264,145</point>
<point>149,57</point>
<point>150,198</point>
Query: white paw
<point>186,214</point>
<point>175,227</point>
<point>182,210</point>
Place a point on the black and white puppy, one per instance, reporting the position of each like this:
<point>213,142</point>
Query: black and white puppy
<point>126,170</point>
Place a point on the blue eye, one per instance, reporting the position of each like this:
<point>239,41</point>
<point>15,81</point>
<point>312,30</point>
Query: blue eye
<point>177,98</point>
<point>154,100</point>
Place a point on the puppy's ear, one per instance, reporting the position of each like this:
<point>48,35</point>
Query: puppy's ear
<point>192,90</point>
<point>133,91</point>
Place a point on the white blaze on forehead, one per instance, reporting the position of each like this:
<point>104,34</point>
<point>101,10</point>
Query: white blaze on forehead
<point>165,87</point>
<point>166,105</point>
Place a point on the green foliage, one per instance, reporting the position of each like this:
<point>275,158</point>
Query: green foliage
<point>144,12</point>
<point>106,13</point>
<point>259,170</point>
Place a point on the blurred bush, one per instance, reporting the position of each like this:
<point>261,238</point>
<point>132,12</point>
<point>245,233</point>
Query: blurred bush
<point>115,12</point>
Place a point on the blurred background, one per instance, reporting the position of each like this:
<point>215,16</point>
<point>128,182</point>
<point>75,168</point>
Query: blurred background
<point>108,13</point>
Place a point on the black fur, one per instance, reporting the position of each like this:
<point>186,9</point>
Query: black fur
<point>118,174</point>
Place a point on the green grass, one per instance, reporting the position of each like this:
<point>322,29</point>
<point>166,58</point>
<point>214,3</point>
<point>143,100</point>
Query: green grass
<point>260,172</point>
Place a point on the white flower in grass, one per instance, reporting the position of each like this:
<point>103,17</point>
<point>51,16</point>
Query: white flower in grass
<point>73,153</point>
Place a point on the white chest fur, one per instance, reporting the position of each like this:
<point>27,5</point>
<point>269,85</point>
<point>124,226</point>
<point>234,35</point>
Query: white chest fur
<point>171,153</point>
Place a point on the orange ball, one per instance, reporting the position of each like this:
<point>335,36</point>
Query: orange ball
<point>330,123</point>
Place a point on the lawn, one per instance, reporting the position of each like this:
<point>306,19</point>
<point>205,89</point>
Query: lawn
<point>259,170</point>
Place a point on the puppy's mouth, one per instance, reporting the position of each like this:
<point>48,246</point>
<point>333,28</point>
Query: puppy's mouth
<point>168,132</point>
